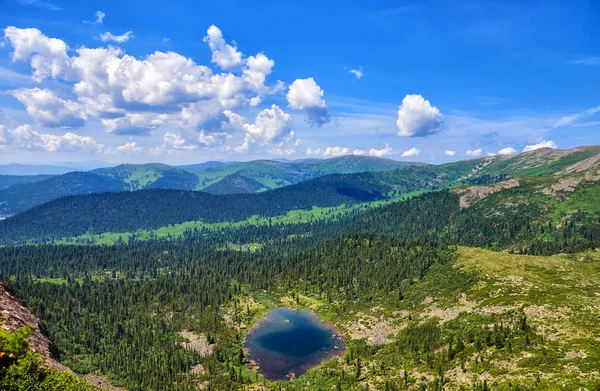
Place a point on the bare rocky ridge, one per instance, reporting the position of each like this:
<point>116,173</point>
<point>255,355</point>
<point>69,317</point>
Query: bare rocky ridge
<point>475,193</point>
<point>15,315</point>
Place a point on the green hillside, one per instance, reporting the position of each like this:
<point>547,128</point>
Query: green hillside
<point>273,174</point>
<point>536,188</point>
<point>11,180</point>
<point>211,177</point>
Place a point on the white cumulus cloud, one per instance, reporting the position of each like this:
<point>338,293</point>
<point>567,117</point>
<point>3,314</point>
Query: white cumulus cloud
<point>129,148</point>
<point>136,95</point>
<point>418,118</point>
<point>411,152</point>
<point>473,152</point>
<point>47,109</point>
<point>48,56</point>
<point>270,128</point>
<point>305,94</point>
<point>327,152</point>
<point>269,125</point>
<point>507,151</point>
<point>134,124</point>
<point>540,144</point>
<point>25,138</point>
<point>381,152</point>
<point>223,54</point>
<point>449,153</point>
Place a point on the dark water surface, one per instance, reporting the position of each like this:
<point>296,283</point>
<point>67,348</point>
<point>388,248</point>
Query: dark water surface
<point>286,343</point>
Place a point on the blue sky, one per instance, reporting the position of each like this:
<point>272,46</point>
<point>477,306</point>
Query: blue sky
<point>183,81</point>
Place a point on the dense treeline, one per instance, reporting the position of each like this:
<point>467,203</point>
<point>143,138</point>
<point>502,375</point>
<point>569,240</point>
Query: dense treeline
<point>510,219</point>
<point>130,211</point>
<point>11,180</point>
<point>118,309</point>
<point>128,177</point>
<point>22,196</point>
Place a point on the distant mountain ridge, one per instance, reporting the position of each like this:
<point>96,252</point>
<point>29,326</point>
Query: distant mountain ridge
<point>212,177</point>
<point>550,175</point>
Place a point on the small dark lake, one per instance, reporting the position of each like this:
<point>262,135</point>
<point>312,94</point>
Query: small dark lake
<point>286,343</point>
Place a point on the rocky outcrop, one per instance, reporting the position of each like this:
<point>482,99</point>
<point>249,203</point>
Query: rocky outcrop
<point>13,315</point>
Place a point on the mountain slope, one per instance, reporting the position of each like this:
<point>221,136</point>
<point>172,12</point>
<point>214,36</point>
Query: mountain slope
<point>11,180</point>
<point>129,211</point>
<point>234,184</point>
<point>26,169</point>
<point>21,197</point>
<point>260,175</point>
<point>273,174</point>
<point>151,175</point>
<point>545,188</point>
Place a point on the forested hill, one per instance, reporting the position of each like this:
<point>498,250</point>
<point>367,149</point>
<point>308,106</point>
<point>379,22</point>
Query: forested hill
<point>11,180</point>
<point>555,178</point>
<point>23,196</point>
<point>213,177</point>
<point>129,211</point>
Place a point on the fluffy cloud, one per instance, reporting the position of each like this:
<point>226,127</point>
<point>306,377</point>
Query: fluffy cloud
<point>210,139</point>
<point>418,118</point>
<point>327,152</point>
<point>223,54</point>
<point>134,124</point>
<point>134,96</point>
<point>385,151</point>
<point>173,143</point>
<point>270,128</point>
<point>49,110</point>
<point>305,94</point>
<point>473,152</point>
<point>270,125</point>
<point>255,71</point>
<point>507,151</point>
<point>129,148</point>
<point>411,152</point>
<point>48,55</point>
<point>540,144</point>
<point>449,153</point>
<point>25,138</point>
<point>108,37</point>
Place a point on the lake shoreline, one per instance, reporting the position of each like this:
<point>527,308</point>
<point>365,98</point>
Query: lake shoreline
<point>337,349</point>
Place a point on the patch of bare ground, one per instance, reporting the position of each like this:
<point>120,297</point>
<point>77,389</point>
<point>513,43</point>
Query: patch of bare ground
<point>197,342</point>
<point>197,369</point>
<point>374,330</point>
<point>566,184</point>
<point>475,193</point>
<point>539,157</point>
<point>584,165</point>
<point>486,162</point>
<point>101,382</point>
<point>448,313</point>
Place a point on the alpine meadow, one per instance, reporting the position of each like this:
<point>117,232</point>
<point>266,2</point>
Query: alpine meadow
<point>408,200</point>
